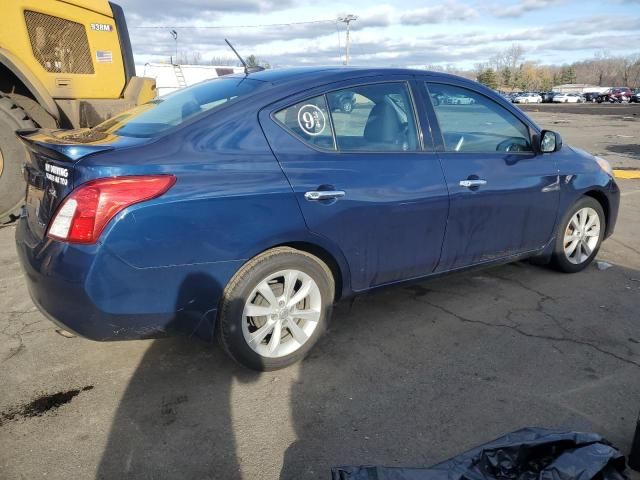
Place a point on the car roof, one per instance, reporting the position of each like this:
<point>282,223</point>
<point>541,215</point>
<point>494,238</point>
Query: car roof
<point>278,76</point>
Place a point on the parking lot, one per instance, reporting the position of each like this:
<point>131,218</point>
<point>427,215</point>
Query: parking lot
<point>609,130</point>
<point>409,375</point>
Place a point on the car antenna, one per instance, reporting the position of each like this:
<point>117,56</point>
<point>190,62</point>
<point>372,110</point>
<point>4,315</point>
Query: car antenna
<point>247,68</point>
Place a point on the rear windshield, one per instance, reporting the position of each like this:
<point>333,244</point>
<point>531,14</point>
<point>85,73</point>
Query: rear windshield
<point>164,113</point>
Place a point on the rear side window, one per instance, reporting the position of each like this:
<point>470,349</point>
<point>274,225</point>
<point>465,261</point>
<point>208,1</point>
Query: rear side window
<point>377,117</point>
<point>161,114</point>
<point>471,122</point>
<point>309,121</point>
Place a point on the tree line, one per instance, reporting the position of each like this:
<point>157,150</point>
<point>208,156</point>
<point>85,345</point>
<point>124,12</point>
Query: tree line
<point>510,70</point>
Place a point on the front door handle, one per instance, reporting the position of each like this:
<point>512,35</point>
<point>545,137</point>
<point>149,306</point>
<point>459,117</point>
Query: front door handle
<point>323,195</point>
<point>472,183</point>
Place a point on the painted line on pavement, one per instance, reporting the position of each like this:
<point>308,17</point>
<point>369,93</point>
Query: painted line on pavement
<point>627,174</point>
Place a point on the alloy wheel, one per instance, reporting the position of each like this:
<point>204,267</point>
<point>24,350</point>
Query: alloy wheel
<point>281,313</point>
<point>581,235</point>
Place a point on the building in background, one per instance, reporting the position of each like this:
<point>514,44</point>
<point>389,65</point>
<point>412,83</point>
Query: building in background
<point>578,88</point>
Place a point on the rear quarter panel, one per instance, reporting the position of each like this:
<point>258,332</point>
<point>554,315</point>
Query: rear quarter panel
<point>230,196</point>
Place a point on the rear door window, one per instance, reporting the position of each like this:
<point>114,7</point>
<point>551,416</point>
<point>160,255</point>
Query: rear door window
<point>309,121</point>
<point>376,117</point>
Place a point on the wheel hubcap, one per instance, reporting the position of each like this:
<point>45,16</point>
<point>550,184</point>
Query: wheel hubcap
<point>581,235</point>
<point>281,313</point>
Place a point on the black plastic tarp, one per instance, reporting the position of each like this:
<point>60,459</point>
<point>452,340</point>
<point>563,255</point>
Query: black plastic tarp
<point>527,454</point>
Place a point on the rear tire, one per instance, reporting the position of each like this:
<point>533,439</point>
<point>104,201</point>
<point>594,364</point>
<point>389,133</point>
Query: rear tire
<point>261,287</point>
<point>13,154</point>
<point>577,240</point>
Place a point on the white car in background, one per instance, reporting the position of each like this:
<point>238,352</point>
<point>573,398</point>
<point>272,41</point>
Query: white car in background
<point>528,97</point>
<point>459,100</point>
<point>568,98</point>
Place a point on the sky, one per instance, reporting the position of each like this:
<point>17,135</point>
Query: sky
<point>402,33</point>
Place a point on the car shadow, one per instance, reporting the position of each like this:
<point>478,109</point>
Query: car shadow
<point>174,420</point>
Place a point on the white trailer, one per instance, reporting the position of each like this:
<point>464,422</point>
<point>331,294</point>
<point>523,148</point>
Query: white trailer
<point>173,77</point>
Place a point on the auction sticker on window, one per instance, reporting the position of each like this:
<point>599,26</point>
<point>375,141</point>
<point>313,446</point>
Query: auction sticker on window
<point>311,119</point>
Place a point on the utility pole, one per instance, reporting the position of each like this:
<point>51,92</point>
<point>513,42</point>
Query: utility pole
<point>174,34</point>
<point>347,19</point>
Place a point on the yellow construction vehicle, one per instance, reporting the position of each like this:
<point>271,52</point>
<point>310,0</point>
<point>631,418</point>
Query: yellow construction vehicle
<point>63,64</point>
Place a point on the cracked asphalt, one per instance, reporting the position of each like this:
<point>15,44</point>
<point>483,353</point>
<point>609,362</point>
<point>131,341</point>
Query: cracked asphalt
<point>406,376</point>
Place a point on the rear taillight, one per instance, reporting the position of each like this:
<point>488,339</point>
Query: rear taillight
<point>83,215</point>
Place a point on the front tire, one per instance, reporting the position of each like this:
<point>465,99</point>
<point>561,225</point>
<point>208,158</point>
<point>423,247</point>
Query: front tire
<point>275,309</point>
<point>579,236</point>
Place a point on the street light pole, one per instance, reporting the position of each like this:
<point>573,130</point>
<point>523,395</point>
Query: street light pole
<point>174,34</point>
<point>347,19</point>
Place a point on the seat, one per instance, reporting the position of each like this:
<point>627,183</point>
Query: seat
<point>384,125</point>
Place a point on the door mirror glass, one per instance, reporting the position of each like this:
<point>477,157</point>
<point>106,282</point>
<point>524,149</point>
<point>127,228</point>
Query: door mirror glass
<point>550,141</point>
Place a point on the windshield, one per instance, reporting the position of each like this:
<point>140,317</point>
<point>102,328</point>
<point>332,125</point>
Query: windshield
<point>161,114</point>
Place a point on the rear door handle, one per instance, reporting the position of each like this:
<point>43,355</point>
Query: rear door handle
<point>323,195</point>
<point>472,183</point>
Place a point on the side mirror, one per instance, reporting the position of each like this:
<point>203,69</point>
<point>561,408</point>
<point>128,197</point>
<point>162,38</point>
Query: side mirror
<point>550,141</point>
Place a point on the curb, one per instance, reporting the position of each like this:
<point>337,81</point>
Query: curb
<point>627,174</point>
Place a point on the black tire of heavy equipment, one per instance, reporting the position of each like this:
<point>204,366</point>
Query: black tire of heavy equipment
<point>14,155</point>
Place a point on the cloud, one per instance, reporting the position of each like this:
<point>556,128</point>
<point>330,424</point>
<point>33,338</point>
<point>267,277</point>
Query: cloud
<point>446,12</point>
<point>383,35</point>
<point>521,7</point>
<point>378,16</point>
<point>146,11</point>
<point>590,44</point>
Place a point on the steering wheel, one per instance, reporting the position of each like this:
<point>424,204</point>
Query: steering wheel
<point>513,145</point>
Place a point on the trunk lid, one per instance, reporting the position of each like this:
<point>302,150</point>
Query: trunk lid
<point>49,171</point>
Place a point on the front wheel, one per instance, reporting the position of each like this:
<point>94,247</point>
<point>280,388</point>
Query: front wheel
<point>580,235</point>
<point>275,309</point>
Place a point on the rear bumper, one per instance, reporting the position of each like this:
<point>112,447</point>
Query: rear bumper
<point>88,290</point>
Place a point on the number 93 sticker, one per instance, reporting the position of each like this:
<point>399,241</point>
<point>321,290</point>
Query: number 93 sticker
<point>311,119</point>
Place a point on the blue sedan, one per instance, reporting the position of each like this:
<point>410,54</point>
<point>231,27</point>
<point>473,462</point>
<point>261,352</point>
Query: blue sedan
<point>242,208</point>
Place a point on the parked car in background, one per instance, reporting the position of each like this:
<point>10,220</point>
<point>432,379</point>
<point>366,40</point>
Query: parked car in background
<point>243,207</point>
<point>547,97</point>
<point>568,98</point>
<point>513,95</point>
<point>459,100</point>
<point>615,95</point>
<point>344,102</point>
<point>590,96</point>
<point>528,97</point>
<point>635,97</point>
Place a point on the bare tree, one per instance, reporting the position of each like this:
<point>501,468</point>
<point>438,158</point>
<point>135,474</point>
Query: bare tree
<point>601,65</point>
<point>223,61</point>
<point>629,68</point>
<point>189,58</point>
